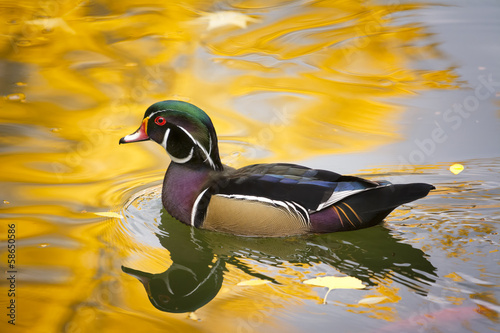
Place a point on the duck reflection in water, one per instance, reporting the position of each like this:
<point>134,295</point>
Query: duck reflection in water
<point>183,288</point>
<point>200,258</point>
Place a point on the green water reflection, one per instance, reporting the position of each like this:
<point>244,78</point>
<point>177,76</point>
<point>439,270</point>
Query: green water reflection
<point>199,259</point>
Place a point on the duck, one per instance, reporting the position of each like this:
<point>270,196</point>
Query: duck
<point>258,200</point>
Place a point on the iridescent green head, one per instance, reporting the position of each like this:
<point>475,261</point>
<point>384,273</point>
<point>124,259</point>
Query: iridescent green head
<point>184,130</point>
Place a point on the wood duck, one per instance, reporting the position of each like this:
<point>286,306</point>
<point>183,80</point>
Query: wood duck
<point>278,199</point>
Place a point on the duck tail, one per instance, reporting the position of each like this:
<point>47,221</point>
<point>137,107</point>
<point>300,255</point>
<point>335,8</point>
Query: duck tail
<point>370,207</point>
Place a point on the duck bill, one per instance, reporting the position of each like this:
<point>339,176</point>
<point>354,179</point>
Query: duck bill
<point>141,276</point>
<point>140,135</point>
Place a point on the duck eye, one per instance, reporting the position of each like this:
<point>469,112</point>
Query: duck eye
<point>164,298</point>
<point>160,121</point>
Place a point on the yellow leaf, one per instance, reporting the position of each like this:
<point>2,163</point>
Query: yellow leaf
<point>336,282</point>
<point>109,214</point>
<point>193,316</point>
<point>253,282</point>
<point>456,168</point>
<point>372,300</point>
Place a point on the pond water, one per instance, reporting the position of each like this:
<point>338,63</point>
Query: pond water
<point>396,90</point>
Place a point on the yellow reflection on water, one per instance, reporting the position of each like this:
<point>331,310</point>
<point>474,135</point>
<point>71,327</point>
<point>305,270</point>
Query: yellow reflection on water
<point>281,81</point>
<point>384,310</point>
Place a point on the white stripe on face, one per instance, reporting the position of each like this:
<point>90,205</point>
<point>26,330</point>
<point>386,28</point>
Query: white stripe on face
<point>204,151</point>
<point>212,164</point>
<point>165,138</point>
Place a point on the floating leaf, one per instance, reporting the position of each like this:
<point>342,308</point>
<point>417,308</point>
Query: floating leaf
<point>336,282</point>
<point>253,282</point>
<point>193,316</point>
<point>456,168</point>
<point>20,97</point>
<point>109,214</point>
<point>372,300</point>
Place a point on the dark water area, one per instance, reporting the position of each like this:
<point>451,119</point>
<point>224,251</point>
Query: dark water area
<point>403,91</point>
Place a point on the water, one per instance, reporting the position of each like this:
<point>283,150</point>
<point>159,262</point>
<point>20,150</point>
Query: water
<point>399,91</point>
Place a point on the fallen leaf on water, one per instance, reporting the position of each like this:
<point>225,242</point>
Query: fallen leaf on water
<point>193,316</point>
<point>253,282</point>
<point>109,214</point>
<point>336,282</point>
<point>456,168</point>
<point>20,97</point>
<point>372,300</point>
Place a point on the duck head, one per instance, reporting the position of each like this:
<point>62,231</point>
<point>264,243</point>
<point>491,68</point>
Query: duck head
<point>180,288</point>
<point>184,130</point>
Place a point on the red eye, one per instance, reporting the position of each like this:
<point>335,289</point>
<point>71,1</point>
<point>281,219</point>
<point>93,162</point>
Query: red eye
<point>160,121</point>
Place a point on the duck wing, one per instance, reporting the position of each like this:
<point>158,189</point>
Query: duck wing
<point>273,199</point>
<point>313,189</point>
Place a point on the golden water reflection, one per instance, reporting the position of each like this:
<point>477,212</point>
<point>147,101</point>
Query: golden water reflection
<point>305,79</point>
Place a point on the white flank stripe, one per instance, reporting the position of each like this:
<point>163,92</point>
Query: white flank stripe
<point>195,206</point>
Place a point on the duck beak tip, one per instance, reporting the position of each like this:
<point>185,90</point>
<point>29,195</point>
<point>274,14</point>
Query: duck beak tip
<point>137,136</point>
